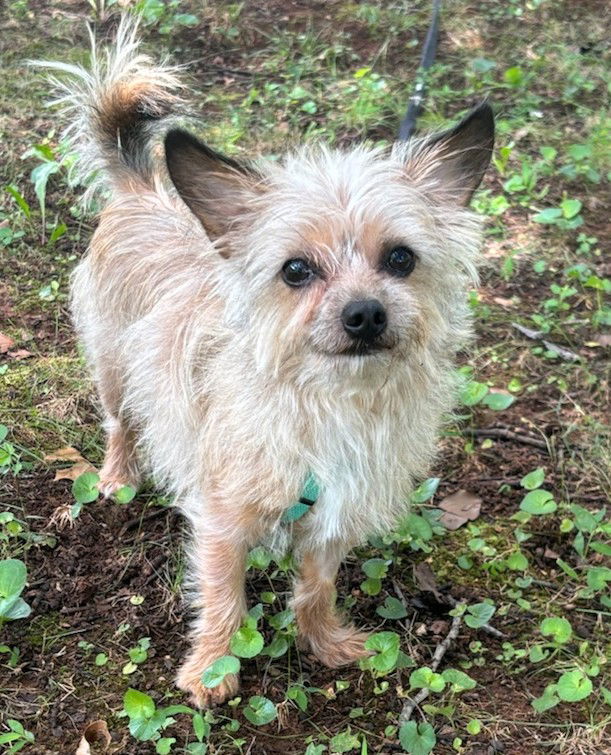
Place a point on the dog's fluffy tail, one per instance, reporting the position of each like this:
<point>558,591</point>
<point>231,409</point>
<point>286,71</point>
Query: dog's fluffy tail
<point>111,107</point>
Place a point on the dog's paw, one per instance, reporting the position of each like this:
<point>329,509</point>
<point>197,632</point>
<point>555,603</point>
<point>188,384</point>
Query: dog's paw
<point>189,681</point>
<point>341,648</point>
<point>109,484</point>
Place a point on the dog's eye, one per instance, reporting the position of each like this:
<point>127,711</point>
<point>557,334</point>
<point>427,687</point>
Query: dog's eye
<point>297,272</point>
<point>400,261</point>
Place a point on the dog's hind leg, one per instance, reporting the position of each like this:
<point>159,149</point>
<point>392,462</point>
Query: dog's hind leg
<point>332,641</point>
<point>120,465</point>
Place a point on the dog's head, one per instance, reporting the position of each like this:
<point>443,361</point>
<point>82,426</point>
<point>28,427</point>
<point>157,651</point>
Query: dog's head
<point>344,263</point>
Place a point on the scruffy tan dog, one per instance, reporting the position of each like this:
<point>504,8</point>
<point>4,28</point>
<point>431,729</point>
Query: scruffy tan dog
<point>252,327</point>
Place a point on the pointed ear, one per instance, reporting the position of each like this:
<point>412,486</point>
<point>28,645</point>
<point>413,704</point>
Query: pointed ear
<point>215,188</point>
<point>452,164</point>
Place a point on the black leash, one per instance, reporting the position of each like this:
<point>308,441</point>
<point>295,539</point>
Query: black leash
<point>414,107</point>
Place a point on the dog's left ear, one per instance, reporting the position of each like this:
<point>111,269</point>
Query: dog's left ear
<point>216,188</point>
<point>450,165</point>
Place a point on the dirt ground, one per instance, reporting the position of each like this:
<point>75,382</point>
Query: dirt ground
<point>82,578</point>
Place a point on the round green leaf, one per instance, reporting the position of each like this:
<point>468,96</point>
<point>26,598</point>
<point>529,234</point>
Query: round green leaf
<point>474,726</point>
<point>473,392</point>
<point>283,619</point>
<point>549,699</point>
<point>85,487</point>
<point>479,614</point>
<point>345,741</point>
<point>425,491</point>
<point>247,642</point>
<point>598,576</point>
<point>386,647</point>
<point>498,401</point>
<point>517,561</point>
<point>392,609</point>
<point>417,739</point>
<point>164,745</point>
<point>514,76</point>
<point>570,208</point>
<point>260,710</point>
<point>459,680</point>
<point>124,494</point>
<point>376,567</point>
<point>259,557</point>
<point>533,479</point>
<point>13,576</point>
<point>426,678</point>
<point>215,673</point>
<point>557,627</point>
<point>573,686</point>
<point>371,586</point>
<point>538,502</point>
<point>138,704</point>
<point>549,215</point>
<point>277,647</point>
<point>13,608</point>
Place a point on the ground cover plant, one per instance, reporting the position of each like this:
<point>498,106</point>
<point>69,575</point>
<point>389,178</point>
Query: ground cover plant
<point>489,605</point>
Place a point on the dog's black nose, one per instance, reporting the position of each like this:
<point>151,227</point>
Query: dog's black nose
<point>364,319</point>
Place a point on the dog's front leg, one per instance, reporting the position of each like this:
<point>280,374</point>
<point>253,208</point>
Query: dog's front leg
<point>334,642</point>
<point>218,561</point>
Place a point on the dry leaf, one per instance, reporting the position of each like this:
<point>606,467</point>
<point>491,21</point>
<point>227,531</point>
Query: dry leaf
<point>20,354</point>
<point>459,509</point>
<point>505,303</point>
<point>71,473</point>
<point>549,553</point>
<point>68,453</point>
<point>5,343</point>
<point>425,580</point>
<point>439,626</point>
<point>63,454</point>
<point>95,733</point>
<point>604,339</point>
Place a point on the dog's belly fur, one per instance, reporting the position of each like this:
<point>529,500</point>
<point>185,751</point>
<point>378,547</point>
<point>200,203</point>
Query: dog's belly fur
<point>230,441</point>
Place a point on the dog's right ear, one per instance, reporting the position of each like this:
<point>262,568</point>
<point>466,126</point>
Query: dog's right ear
<point>450,165</point>
<point>215,188</point>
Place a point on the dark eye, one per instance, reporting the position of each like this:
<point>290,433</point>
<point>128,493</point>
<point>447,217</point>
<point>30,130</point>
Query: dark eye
<point>297,272</point>
<point>400,261</point>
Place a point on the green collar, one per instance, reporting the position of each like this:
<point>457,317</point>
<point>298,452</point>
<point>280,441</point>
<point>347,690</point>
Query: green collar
<point>309,496</point>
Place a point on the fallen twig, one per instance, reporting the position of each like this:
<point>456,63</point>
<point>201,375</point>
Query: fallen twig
<point>412,703</point>
<point>141,518</point>
<point>537,335</point>
<point>426,581</point>
<point>503,433</point>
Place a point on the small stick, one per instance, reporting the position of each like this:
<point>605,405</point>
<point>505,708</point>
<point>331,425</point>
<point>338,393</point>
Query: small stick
<point>399,593</point>
<point>453,603</point>
<point>503,433</point>
<point>412,703</point>
<point>137,520</point>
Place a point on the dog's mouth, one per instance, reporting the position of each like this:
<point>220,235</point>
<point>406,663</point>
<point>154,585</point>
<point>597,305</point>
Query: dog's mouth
<point>362,349</point>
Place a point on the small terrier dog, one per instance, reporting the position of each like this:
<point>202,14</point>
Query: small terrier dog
<point>250,327</point>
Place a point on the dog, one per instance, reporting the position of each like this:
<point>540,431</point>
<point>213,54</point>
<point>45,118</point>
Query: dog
<point>251,327</point>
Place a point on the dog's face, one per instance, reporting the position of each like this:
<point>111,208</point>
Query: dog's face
<point>343,264</point>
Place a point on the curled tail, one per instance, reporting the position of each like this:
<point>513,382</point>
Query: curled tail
<point>110,107</point>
